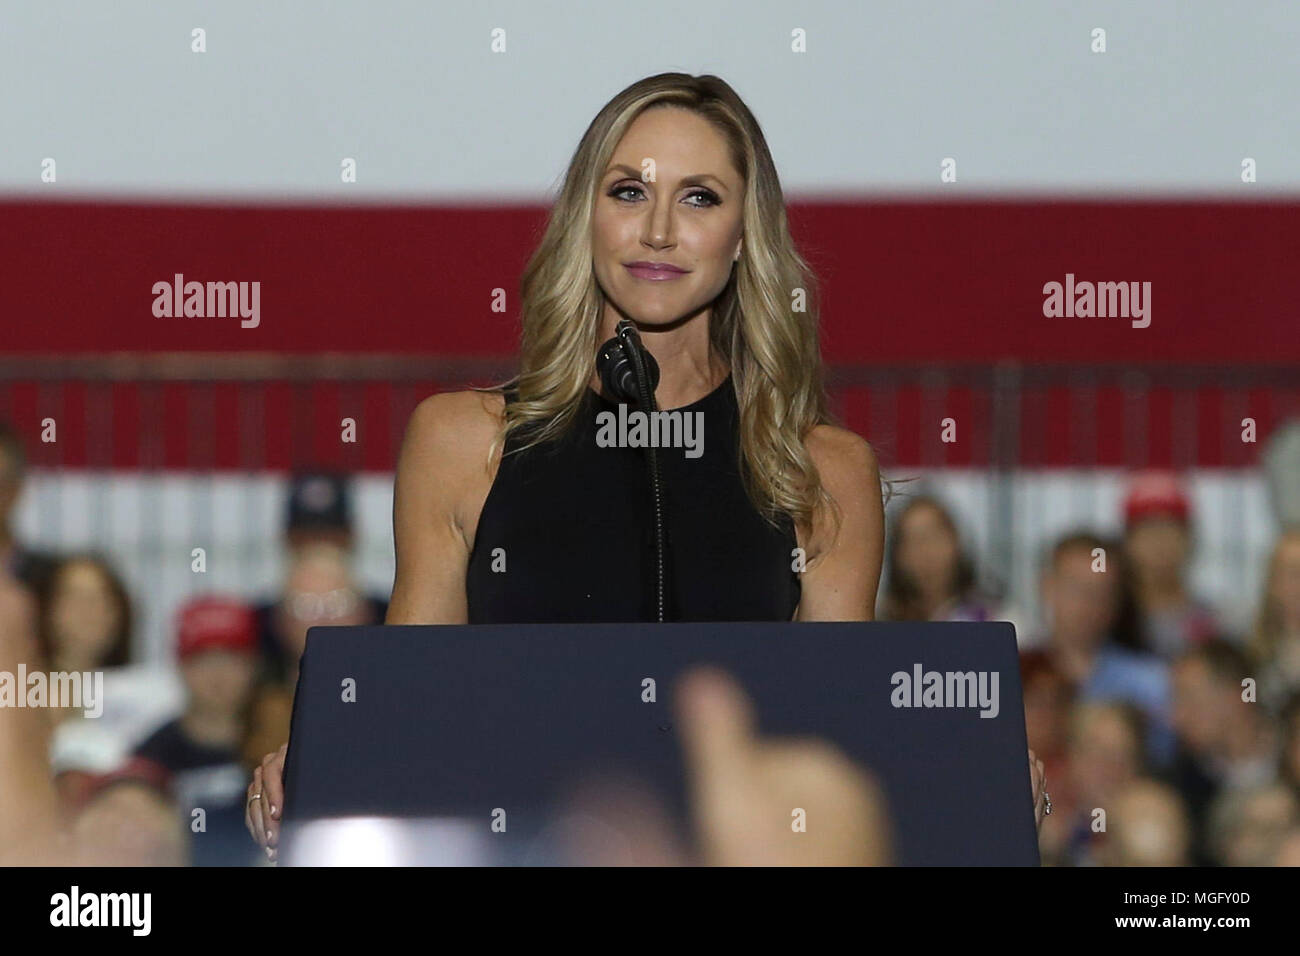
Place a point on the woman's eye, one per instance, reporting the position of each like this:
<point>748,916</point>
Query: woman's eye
<point>702,198</point>
<point>709,198</point>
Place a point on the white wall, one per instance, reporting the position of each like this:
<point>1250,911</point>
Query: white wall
<point>411,90</point>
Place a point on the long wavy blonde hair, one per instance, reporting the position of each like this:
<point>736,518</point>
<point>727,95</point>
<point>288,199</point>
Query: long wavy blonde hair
<point>771,347</point>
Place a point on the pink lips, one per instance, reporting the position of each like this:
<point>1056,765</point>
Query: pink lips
<point>654,271</point>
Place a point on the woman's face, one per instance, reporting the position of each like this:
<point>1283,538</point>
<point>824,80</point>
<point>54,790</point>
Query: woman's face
<point>319,591</point>
<point>1203,705</point>
<point>1103,754</point>
<point>1159,546</point>
<point>219,681</point>
<point>1081,603</point>
<point>83,615</point>
<point>690,217</point>
<point>927,550</point>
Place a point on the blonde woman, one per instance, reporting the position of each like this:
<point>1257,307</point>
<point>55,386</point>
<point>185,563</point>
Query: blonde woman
<point>510,503</point>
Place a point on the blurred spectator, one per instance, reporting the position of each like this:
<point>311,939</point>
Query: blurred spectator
<point>31,568</point>
<point>319,590</point>
<point>217,650</point>
<point>86,626</point>
<point>319,511</point>
<point>1225,742</point>
<point>1048,700</point>
<point>1289,726</point>
<point>1248,825</point>
<point>1104,756</point>
<point>1276,638</point>
<point>1146,826</point>
<point>124,817</point>
<point>127,817</point>
<point>1092,633</point>
<point>1158,538</point>
<point>87,619</point>
<point>930,576</point>
<point>1280,462</point>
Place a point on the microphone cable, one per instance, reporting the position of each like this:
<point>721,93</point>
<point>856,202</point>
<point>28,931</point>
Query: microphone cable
<point>626,333</point>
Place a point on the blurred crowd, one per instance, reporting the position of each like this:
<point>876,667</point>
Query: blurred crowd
<point>159,777</point>
<point>1167,740</point>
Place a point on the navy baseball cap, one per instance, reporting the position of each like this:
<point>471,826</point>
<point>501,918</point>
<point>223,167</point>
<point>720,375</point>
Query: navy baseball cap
<point>319,501</point>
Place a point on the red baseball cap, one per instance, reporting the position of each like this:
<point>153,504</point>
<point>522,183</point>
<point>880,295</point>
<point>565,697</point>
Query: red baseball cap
<point>216,623</point>
<point>1156,493</point>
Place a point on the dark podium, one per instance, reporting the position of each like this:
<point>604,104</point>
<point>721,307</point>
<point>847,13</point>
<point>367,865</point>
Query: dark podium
<point>455,727</point>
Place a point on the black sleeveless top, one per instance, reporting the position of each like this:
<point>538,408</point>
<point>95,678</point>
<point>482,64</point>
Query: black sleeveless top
<point>567,531</point>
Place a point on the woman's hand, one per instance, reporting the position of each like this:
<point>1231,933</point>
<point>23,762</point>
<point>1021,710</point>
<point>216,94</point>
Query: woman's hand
<point>1038,784</point>
<point>265,802</point>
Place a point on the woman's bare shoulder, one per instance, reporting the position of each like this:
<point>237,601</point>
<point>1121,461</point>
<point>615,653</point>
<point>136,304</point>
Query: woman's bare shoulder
<point>841,455</point>
<point>466,410</point>
<point>451,431</point>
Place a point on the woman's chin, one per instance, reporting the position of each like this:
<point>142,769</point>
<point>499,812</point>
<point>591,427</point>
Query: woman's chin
<point>654,317</point>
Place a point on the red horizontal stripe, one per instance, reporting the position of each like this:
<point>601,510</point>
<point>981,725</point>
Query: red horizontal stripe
<point>904,281</point>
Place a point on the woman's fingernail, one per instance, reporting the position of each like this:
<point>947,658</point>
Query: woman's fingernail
<point>270,854</point>
<point>275,812</point>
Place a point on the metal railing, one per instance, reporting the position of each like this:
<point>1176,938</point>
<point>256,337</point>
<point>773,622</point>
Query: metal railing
<point>205,442</point>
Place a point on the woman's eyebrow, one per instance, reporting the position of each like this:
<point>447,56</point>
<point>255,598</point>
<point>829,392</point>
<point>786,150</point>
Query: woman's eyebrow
<point>696,180</point>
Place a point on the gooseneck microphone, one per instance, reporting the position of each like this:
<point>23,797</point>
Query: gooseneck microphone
<point>630,374</point>
<point>617,369</point>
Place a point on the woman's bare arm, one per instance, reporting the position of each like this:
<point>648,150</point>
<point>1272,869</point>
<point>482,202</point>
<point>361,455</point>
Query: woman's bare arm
<point>442,482</point>
<point>440,487</point>
<point>840,581</point>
